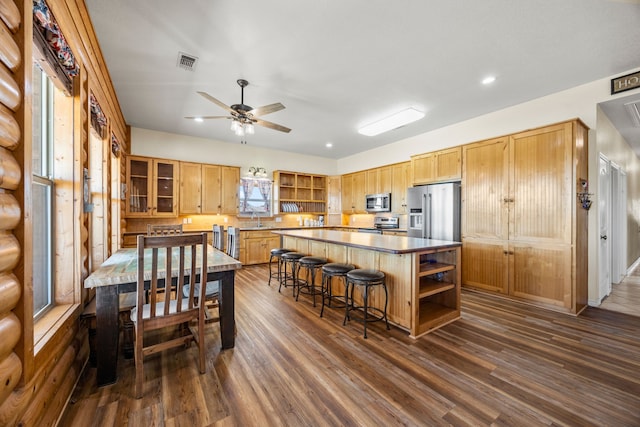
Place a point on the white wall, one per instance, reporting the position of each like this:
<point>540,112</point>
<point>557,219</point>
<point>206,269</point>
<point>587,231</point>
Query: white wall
<point>151,143</point>
<point>579,102</point>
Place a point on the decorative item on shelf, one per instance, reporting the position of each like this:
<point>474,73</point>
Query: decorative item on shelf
<point>584,196</point>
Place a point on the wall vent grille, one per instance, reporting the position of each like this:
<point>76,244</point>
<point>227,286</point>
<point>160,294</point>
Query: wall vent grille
<point>186,61</point>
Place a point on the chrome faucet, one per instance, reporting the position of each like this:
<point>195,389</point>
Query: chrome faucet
<point>253,214</point>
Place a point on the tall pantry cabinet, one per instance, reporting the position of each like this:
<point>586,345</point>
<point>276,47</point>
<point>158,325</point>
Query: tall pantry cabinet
<point>524,231</point>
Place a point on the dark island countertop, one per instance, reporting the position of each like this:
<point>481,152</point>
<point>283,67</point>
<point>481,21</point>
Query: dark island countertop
<point>376,242</point>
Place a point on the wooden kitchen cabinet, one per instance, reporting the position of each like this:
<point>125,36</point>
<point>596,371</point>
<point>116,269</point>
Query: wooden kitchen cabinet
<point>257,246</point>
<point>300,192</point>
<point>520,218</point>
<point>438,166</point>
<point>334,190</point>
<point>152,187</point>
<point>400,182</point>
<point>354,192</point>
<point>208,189</point>
<point>378,180</point>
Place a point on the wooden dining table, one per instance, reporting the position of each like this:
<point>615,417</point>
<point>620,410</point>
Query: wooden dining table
<point>118,274</point>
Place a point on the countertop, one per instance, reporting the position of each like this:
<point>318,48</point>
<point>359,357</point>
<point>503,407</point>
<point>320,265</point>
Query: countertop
<point>376,242</point>
<point>270,228</point>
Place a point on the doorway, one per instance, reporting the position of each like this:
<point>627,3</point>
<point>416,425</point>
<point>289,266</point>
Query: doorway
<point>604,225</point>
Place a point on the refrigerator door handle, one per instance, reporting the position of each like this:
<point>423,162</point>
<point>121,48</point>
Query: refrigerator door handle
<point>429,219</point>
<point>425,216</point>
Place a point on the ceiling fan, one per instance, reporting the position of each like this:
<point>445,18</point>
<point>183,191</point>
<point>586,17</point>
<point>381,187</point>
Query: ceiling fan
<point>244,116</point>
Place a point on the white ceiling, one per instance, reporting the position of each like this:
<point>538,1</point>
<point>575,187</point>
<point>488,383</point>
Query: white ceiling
<point>338,65</point>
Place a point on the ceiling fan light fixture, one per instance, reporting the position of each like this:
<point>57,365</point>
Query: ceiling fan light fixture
<point>249,130</point>
<point>394,121</point>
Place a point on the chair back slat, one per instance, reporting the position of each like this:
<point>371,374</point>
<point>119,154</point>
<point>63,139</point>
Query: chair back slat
<point>232,242</point>
<point>164,229</point>
<point>218,240</point>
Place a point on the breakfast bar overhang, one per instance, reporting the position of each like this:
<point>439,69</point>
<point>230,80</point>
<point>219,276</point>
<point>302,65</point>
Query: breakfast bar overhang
<point>423,276</point>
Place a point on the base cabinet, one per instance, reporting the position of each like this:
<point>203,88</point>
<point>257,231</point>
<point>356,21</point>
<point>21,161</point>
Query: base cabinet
<point>257,246</point>
<point>423,287</point>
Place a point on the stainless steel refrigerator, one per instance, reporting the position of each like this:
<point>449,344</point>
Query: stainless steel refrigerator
<point>434,211</point>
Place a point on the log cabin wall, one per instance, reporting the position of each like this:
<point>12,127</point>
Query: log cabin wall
<point>37,378</point>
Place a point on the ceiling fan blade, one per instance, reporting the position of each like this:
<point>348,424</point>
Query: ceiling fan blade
<point>272,125</point>
<point>208,117</point>
<point>266,109</point>
<point>215,101</point>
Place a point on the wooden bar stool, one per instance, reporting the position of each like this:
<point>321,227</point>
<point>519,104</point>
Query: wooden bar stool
<point>367,279</point>
<point>329,271</point>
<point>290,259</point>
<point>308,286</point>
<point>276,254</point>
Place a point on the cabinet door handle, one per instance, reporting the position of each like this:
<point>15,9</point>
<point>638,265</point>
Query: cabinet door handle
<point>603,237</point>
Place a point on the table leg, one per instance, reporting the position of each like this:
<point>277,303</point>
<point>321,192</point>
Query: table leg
<point>227,310</point>
<point>107,330</point>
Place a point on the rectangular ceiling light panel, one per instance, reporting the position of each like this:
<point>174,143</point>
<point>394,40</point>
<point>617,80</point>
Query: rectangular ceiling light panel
<point>394,121</point>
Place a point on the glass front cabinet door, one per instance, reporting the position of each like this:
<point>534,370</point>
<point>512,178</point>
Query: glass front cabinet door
<point>152,187</point>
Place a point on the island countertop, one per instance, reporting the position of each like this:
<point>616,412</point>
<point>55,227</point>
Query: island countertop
<point>376,242</point>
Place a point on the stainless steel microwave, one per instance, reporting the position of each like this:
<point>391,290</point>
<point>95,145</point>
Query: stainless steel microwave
<point>378,202</point>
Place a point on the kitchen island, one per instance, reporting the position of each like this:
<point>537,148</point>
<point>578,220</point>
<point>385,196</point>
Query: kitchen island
<point>422,275</point>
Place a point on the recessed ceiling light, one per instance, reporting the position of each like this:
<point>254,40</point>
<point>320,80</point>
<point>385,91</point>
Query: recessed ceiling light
<point>328,145</point>
<point>198,119</point>
<point>394,121</point>
<point>488,80</point>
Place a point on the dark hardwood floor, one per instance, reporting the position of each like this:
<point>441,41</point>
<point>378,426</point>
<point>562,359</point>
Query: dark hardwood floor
<point>503,363</point>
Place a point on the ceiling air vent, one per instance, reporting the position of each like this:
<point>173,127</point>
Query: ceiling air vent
<point>186,61</point>
<point>634,111</point>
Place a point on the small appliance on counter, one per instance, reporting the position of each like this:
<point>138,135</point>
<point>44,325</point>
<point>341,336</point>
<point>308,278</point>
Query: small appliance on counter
<point>378,202</point>
<point>434,211</point>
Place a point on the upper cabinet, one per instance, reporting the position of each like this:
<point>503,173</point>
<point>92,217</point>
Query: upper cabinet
<point>353,192</point>
<point>400,181</point>
<point>152,187</point>
<point>208,189</point>
<point>378,180</point>
<point>438,166</point>
<point>300,192</point>
<point>334,190</point>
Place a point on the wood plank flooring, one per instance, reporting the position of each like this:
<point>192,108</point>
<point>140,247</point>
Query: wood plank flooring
<point>625,296</point>
<point>502,364</point>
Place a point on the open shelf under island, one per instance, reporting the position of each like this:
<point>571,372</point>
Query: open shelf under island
<point>422,275</point>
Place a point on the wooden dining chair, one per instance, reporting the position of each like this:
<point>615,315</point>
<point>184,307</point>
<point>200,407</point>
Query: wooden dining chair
<point>163,229</point>
<point>218,239</point>
<point>232,249</point>
<point>175,254</point>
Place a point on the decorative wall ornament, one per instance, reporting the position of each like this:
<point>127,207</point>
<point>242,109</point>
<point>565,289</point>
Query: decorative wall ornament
<point>47,25</point>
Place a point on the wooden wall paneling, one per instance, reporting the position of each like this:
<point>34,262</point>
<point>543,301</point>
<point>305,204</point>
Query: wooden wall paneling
<point>11,290</point>
<point>84,163</point>
<point>10,15</point>
<point>29,401</point>
<point>75,22</point>
<point>9,50</point>
<point>10,213</point>
<point>9,129</point>
<point>10,94</point>
<point>10,373</point>
<point>10,330</point>
<point>10,171</point>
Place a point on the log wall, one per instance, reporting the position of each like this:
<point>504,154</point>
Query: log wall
<point>34,388</point>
